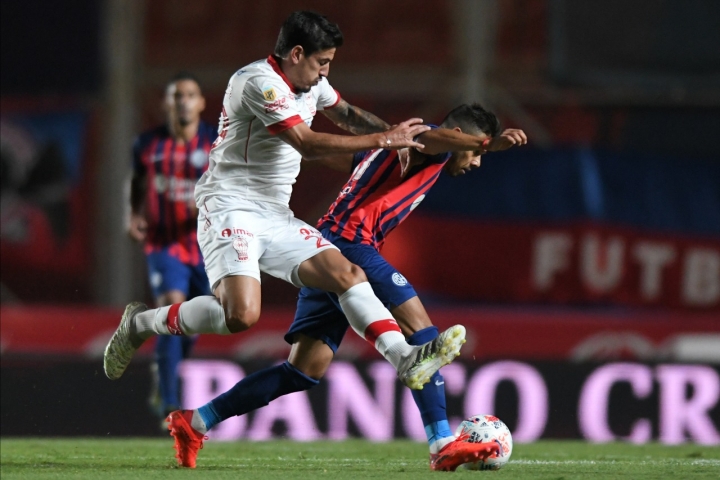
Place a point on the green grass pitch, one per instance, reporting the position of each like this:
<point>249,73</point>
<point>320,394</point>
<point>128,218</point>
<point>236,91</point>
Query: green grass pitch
<point>108,459</point>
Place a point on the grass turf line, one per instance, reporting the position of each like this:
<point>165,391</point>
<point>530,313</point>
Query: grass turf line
<point>108,459</point>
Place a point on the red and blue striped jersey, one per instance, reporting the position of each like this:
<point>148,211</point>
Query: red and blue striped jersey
<point>375,199</point>
<point>172,169</point>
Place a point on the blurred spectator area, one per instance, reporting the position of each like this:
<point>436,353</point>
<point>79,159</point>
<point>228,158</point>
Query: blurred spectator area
<point>621,101</point>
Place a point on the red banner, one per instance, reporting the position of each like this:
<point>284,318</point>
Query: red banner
<point>576,264</point>
<point>492,334</point>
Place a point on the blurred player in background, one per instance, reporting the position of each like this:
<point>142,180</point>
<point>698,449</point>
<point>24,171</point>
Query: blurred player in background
<point>246,226</point>
<point>167,163</point>
<point>384,188</point>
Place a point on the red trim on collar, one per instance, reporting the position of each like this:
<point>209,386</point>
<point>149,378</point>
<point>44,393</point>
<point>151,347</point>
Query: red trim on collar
<point>274,64</point>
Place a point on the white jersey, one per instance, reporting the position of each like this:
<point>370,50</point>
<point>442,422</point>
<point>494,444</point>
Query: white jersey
<point>248,159</point>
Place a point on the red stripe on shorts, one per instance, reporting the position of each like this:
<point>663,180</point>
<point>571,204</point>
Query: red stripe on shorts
<point>173,320</point>
<point>377,328</point>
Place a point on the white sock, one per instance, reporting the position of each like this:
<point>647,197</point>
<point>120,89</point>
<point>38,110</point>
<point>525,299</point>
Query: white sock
<point>199,315</point>
<point>197,422</point>
<point>438,444</point>
<point>372,321</point>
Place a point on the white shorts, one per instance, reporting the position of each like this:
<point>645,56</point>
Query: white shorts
<point>244,237</point>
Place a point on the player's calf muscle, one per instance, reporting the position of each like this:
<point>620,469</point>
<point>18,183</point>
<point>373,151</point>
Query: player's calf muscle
<point>311,356</point>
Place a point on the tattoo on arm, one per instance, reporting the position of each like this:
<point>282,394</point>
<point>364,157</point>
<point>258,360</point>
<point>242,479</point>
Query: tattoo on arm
<point>355,119</point>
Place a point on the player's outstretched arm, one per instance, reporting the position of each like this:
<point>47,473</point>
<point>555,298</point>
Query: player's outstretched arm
<point>442,140</point>
<point>315,145</point>
<point>354,119</point>
<point>510,137</point>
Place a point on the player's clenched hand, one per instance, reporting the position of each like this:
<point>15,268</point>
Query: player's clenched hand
<point>137,228</point>
<point>508,138</point>
<point>402,135</point>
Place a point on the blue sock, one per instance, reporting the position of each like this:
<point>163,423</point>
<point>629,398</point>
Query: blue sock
<point>431,399</point>
<point>255,391</point>
<point>209,415</point>
<point>168,353</point>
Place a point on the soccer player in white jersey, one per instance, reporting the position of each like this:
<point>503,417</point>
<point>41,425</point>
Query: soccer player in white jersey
<point>245,225</point>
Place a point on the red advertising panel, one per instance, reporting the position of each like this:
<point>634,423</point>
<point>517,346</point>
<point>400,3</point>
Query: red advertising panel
<point>492,334</point>
<point>578,264</point>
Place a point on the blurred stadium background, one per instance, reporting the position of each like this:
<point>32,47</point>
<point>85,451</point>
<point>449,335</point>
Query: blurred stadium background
<point>586,266</point>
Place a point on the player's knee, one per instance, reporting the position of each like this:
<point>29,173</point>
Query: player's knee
<point>315,368</point>
<point>239,319</point>
<point>349,277</point>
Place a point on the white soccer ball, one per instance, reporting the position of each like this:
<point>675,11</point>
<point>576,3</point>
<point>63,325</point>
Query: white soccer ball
<point>484,429</point>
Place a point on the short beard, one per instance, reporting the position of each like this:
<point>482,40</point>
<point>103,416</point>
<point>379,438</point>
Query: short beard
<point>302,90</point>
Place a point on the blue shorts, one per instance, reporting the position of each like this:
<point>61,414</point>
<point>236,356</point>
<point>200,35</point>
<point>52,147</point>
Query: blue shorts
<point>318,314</point>
<point>167,273</point>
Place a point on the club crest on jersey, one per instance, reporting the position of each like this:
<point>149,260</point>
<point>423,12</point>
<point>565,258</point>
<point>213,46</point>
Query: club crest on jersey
<point>269,93</point>
<point>399,280</point>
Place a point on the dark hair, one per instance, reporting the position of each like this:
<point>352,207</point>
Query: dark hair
<point>184,75</point>
<point>312,31</point>
<point>472,119</point>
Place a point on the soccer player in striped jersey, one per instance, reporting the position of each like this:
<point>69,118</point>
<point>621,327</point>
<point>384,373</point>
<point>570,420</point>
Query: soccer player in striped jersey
<point>384,188</point>
<point>167,163</point>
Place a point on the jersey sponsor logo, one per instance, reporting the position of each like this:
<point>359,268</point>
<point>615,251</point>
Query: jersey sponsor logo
<point>417,202</point>
<point>269,93</point>
<point>228,232</point>
<point>176,189</point>
<point>199,158</point>
<point>399,280</point>
<point>314,234</point>
<point>279,104</point>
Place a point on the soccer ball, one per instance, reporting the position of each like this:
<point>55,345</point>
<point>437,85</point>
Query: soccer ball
<point>483,429</point>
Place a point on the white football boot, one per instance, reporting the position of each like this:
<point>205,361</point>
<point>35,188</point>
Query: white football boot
<point>123,344</point>
<point>416,369</point>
